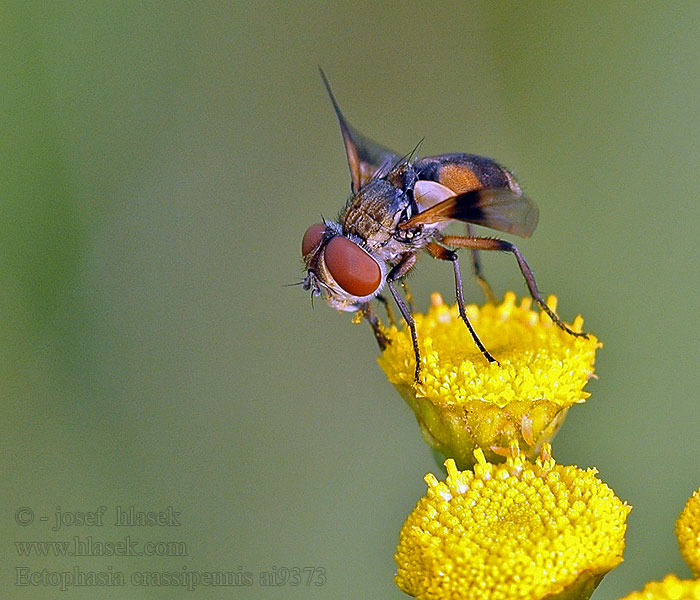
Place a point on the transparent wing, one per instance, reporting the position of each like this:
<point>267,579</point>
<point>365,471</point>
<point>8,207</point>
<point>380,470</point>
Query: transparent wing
<point>365,157</point>
<point>497,208</point>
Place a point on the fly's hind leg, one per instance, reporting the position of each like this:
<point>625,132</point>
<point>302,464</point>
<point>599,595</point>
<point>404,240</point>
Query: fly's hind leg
<point>503,246</point>
<point>478,271</point>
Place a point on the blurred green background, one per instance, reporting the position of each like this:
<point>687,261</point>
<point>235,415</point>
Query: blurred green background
<point>160,163</point>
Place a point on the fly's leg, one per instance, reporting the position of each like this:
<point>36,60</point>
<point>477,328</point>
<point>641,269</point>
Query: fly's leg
<point>478,272</point>
<point>376,325</point>
<point>437,251</point>
<point>503,246</point>
<point>387,307</point>
<point>396,273</point>
<point>409,295</point>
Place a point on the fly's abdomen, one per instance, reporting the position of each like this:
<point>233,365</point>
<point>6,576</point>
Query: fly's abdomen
<point>466,172</point>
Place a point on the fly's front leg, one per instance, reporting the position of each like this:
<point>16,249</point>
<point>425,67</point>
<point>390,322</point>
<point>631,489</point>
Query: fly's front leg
<point>387,307</point>
<point>503,246</point>
<point>437,251</point>
<point>409,296</point>
<point>376,325</point>
<point>396,273</point>
<point>478,273</point>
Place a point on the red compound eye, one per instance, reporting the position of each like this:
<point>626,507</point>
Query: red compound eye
<point>353,269</point>
<point>312,238</point>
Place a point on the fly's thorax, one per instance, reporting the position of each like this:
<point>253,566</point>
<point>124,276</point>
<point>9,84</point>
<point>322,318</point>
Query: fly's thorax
<point>374,212</point>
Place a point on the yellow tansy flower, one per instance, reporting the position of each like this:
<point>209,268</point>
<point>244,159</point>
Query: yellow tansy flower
<point>463,402</point>
<point>515,530</point>
<point>688,533</point>
<point>671,588</point>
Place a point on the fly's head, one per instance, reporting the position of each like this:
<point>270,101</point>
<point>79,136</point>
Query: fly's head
<point>339,267</point>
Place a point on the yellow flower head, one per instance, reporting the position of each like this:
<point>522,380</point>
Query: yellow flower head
<point>463,402</point>
<point>671,588</point>
<point>515,530</point>
<point>688,533</point>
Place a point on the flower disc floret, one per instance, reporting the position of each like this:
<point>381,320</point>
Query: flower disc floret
<point>515,530</point>
<point>671,588</point>
<point>463,402</point>
<point>688,533</point>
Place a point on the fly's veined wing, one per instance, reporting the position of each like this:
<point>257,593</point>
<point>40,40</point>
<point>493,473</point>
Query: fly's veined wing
<point>365,157</point>
<point>497,208</point>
